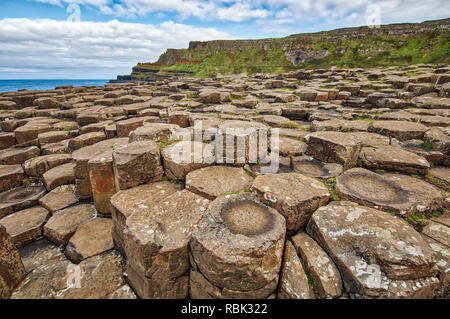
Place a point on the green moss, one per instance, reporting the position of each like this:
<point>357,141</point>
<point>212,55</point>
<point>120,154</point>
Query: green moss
<point>289,124</point>
<point>330,184</point>
<point>427,145</point>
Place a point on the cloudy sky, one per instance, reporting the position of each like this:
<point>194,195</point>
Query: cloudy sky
<point>99,39</point>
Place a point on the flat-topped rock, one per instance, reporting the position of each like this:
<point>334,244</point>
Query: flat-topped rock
<point>293,195</point>
<point>293,280</point>
<point>11,176</point>
<point>38,253</point>
<point>12,156</point>
<point>59,175</point>
<point>334,147</point>
<point>26,225</point>
<point>64,223</point>
<point>376,252</point>
<point>400,193</point>
<point>441,173</point>
<point>393,158</point>
<point>307,165</point>
<point>39,165</point>
<point>30,132</point>
<point>211,182</point>
<point>84,140</point>
<point>371,139</point>
<point>289,146</point>
<point>20,198</point>
<point>439,232</point>
<point>137,163</point>
<point>126,126</point>
<point>156,244</point>
<point>157,132</point>
<point>401,130</point>
<point>239,244</point>
<point>91,238</point>
<point>183,157</point>
<point>59,198</point>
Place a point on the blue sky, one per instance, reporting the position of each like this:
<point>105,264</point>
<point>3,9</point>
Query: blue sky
<point>110,36</point>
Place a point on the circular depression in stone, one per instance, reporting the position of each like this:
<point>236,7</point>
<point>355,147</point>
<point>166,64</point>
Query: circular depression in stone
<point>20,194</point>
<point>372,187</point>
<point>310,168</point>
<point>245,217</point>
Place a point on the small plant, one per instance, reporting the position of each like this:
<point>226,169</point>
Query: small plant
<point>27,182</point>
<point>379,170</point>
<point>427,145</point>
<point>360,163</point>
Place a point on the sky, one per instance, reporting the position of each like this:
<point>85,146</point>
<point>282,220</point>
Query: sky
<point>100,39</point>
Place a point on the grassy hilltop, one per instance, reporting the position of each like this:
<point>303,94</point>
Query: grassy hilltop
<point>362,47</point>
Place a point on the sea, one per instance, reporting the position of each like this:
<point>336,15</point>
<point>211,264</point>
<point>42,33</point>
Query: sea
<point>15,85</point>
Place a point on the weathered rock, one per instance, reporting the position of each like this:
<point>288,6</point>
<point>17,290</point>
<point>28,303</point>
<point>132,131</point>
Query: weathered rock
<point>39,165</point>
<point>91,238</point>
<point>14,156</point>
<point>377,253</point>
<point>239,244</point>
<point>156,244</point>
<point>399,193</point>
<point>60,175</point>
<point>125,203</point>
<point>30,132</point>
<point>320,266</point>
<point>12,269</point>
<point>136,164</point>
<point>38,253</point>
<point>26,225</point>
<point>126,126</point>
<point>393,158</point>
<point>64,223</point>
<point>371,139</point>
<point>180,118</point>
<point>334,147</point>
<point>439,232</point>
<point>85,140</point>
<point>20,198</point>
<point>307,165</point>
<point>293,280</point>
<point>10,176</point>
<point>59,198</point>
<point>214,181</point>
<point>181,158</point>
<point>401,130</point>
<point>101,176</point>
<point>289,146</point>
<point>293,195</point>
<point>157,132</point>
<point>7,140</point>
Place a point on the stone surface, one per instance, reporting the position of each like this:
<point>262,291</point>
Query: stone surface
<point>10,176</point>
<point>239,243</point>
<point>12,269</point>
<point>12,156</point>
<point>401,130</point>
<point>293,280</point>
<point>320,266</point>
<point>20,198</point>
<point>38,253</point>
<point>293,195</point>
<point>334,147</point>
<point>214,181</point>
<point>59,198</point>
<point>91,238</point>
<point>289,146</point>
<point>307,165</point>
<point>156,244</point>
<point>101,177</point>
<point>60,175</point>
<point>157,132</point>
<point>64,223</point>
<point>39,165</point>
<point>438,232</point>
<point>137,163</point>
<point>26,225</point>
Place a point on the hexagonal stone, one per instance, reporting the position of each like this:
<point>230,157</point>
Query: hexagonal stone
<point>211,182</point>
<point>20,198</point>
<point>180,118</point>
<point>441,173</point>
<point>393,158</point>
<point>52,137</point>
<point>7,140</point>
<point>284,166</point>
<point>136,164</point>
<point>442,253</point>
<point>59,198</point>
<point>293,280</point>
<point>320,266</point>
<point>239,244</point>
<point>289,146</point>
<point>10,176</point>
<point>156,244</point>
<point>293,195</point>
<point>334,147</point>
<point>401,130</point>
<point>378,254</point>
<point>64,223</point>
<point>99,278</point>
<point>371,139</point>
<point>85,140</point>
<point>439,232</point>
<point>12,267</point>
<point>186,156</point>
<point>126,126</point>
<point>13,156</point>
<point>60,175</point>
<point>400,193</point>
<point>125,203</point>
<point>157,132</point>
<point>91,238</point>
<point>30,132</point>
<point>101,176</point>
<point>53,148</point>
<point>41,164</point>
<point>26,225</point>
<point>416,147</point>
<point>38,253</point>
<point>307,165</point>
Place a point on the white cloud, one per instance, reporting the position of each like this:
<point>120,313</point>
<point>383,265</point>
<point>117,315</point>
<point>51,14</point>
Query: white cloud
<point>92,49</point>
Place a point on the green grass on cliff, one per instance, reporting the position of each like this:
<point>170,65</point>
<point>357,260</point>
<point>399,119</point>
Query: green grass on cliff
<point>248,61</point>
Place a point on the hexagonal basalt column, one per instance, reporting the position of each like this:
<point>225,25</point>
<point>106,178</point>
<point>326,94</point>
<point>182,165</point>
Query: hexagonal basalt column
<point>238,246</point>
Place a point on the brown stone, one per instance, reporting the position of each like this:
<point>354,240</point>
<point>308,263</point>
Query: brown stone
<point>38,253</point>
<point>307,165</point>
<point>30,132</point>
<point>157,132</point>
<point>60,175</point>
<point>86,140</point>
<point>14,156</point>
<point>101,176</point>
<point>59,198</point>
<point>20,198</point>
<point>10,176</point>
<point>39,165</point>
<point>401,130</point>
<point>126,126</point>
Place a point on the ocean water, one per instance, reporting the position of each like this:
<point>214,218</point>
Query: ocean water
<point>15,85</point>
